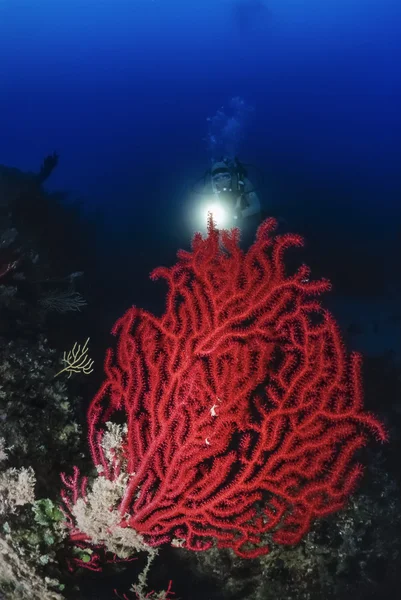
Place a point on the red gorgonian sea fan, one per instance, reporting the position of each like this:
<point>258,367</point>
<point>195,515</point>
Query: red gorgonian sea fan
<point>243,411</point>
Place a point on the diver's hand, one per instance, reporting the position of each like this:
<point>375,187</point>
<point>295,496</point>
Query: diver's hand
<point>237,209</point>
<point>237,214</point>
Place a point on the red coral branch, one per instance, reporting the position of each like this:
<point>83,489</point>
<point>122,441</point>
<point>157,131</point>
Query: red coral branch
<point>244,413</point>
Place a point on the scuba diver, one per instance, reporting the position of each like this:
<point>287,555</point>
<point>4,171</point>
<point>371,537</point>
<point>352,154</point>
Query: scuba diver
<point>229,195</point>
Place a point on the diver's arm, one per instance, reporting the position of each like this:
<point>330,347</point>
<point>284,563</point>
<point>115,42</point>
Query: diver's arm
<point>252,200</point>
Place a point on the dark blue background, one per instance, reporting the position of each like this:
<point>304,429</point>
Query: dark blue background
<point>122,90</point>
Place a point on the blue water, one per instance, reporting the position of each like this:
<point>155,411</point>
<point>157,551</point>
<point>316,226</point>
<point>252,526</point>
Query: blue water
<point>138,96</point>
<point>123,90</point>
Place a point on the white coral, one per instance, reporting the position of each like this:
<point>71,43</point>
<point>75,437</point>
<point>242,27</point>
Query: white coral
<point>16,488</point>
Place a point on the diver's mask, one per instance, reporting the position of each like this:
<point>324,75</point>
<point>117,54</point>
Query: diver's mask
<point>222,181</point>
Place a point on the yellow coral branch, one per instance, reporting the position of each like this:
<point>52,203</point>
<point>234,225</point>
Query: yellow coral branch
<point>77,360</point>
